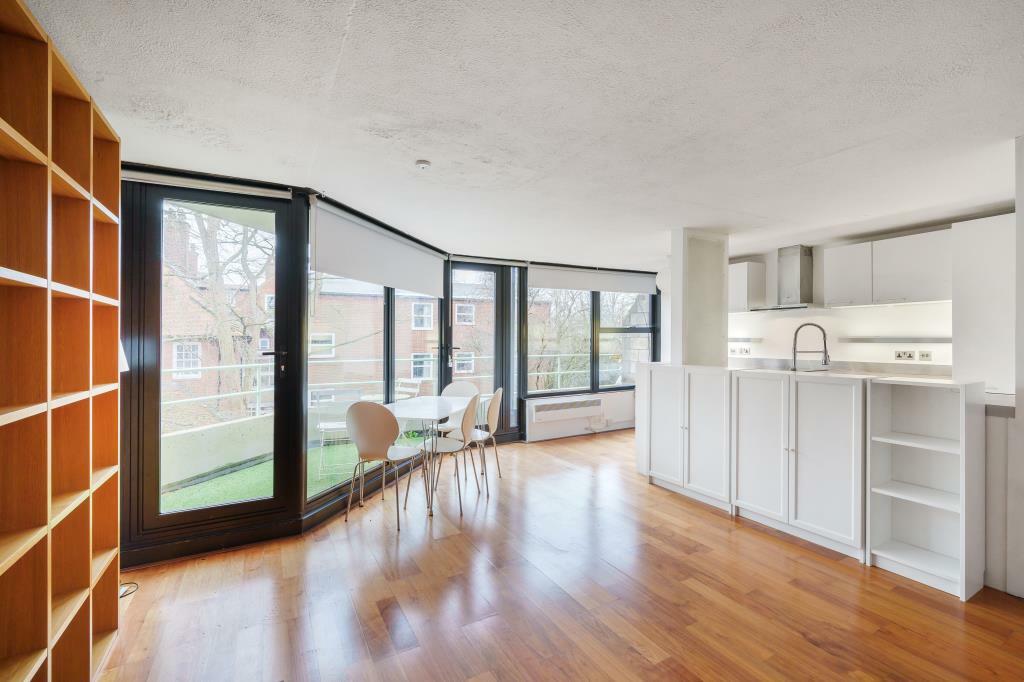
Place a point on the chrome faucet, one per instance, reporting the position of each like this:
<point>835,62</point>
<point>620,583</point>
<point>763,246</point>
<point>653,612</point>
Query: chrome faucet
<point>824,346</point>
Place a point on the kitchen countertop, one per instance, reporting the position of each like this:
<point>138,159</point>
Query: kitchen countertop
<point>996,404</point>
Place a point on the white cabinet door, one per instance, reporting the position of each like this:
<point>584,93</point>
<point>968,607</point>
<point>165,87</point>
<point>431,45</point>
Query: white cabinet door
<point>827,457</point>
<point>760,433</point>
<point>746,286</point>
<point>665,435</point>
<point>918,267</point>
<point>984,289</point>
<point>737,288</point>
<point>848,275</point>
<point>706,431</point>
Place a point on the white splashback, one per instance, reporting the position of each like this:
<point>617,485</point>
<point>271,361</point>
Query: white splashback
<point>775,331</point>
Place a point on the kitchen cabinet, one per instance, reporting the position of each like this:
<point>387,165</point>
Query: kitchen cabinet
<point>826,446</point>
<point>760,442</point>
<point>984,292</point>
<point>706,393</point>
<point>798,455</point>
<point>665,426</point>
<point>914,268</point>
<point>848,275</point>
<point>684,429</point>
<point>746,286</point>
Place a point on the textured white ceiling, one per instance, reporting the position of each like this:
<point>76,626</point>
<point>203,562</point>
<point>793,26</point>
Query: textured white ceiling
<point>577,131</point>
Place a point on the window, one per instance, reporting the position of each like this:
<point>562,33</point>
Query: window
<point>423,316</point>
<point>619,355</point>
<point>270,301</point>
<point>264,343</point>
<point>559,327</point>
<point>475,295</point>
<point>345,365</point>
<point>187,360</point>
<point>416,345</point>
<point>319,396</point>
<point>422,366</point>
<point>465,362</point>
<point>465,313</point>
<point>620,311</point>
<point>321,345</point>
<point>561,354</point>
<point>626,337</point>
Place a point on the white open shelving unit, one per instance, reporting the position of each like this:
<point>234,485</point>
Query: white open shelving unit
<point>926,473</point>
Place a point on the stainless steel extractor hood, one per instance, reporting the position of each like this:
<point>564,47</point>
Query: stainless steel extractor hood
<point>796,278</point>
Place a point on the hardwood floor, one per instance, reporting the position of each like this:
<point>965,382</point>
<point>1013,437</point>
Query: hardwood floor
<point>575,568</point>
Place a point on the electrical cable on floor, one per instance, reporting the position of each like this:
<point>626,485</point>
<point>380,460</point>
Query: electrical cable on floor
<point>127,589</point>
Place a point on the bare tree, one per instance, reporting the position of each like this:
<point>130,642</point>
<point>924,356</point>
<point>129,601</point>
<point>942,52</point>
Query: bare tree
<point>224,266</point>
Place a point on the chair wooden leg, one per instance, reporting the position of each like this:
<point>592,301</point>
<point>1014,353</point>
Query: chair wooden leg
<point>494,442</point>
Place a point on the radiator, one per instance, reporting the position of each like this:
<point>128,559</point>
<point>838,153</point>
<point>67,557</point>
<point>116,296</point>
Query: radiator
<point>561,410</point>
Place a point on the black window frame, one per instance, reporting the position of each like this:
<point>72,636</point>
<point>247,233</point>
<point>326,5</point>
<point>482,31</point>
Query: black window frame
<point>596,329</point>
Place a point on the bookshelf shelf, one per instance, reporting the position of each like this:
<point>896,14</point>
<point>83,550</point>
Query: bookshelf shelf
<point>926,472</point>
<point>59,393</point>
<point>23,620</point>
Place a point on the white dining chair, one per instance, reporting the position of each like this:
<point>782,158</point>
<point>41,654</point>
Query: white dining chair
<point>456,444</point>
<point>480,437</point>
<point>374,430</point>
<point>456,389</point>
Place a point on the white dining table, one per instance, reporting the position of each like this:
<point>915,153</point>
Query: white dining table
<point>428,409</point>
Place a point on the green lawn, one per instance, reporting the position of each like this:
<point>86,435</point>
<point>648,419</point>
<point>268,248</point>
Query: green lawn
<point>257,482</point>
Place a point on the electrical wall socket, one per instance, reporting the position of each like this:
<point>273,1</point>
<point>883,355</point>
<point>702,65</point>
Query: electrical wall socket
<point>924,356</point>
<point>905,355</point>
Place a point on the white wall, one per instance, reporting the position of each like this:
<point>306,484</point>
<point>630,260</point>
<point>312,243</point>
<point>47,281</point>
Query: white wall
<point>997,448</point>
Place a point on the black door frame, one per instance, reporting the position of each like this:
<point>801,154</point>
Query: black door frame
<point>502,338</point>
<point>148,535</point>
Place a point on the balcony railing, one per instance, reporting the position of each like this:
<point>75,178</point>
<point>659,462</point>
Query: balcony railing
<point>263,384</point>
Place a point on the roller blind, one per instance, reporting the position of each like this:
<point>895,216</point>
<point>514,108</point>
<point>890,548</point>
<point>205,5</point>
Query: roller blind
<point>548,277</point>
<point>346,246</point>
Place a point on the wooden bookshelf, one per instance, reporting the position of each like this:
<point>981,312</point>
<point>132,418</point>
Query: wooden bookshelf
<point>59,398</point>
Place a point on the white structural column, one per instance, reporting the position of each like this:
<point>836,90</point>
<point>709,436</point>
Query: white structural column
<point>1015,434</point>
<point>698,294</point>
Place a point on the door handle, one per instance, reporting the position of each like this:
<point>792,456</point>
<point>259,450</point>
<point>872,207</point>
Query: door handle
<point>282,353</point>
